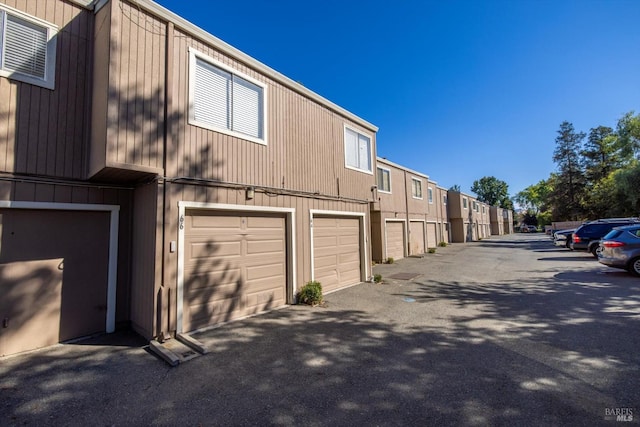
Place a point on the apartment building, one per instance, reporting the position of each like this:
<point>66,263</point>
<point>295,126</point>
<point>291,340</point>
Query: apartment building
<point>169,171</point>
<point>399,214</point>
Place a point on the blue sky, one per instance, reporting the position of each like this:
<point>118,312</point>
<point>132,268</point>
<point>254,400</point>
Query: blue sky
<point>459,89</point>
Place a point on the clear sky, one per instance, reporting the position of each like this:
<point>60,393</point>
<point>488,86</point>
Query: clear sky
<point>459,89</point>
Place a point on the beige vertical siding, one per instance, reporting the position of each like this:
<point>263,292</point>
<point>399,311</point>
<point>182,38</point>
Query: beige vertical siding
<point>43,131</point>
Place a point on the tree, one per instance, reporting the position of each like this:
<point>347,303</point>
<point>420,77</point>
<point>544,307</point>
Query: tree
<point>628,133</point>
<point>493,191</point>
<point>535,197</point>
<point>570,179</point>
<point>600,154</point>
<point>455,188</point>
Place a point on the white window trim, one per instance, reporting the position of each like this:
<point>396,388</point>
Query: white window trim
<point>49,82</point>
<point>193,55</point>
<point>430,195</point>
<point>390,188</point>
<point>465,205</point>
<point>344,132</point>
<point>414,178</point>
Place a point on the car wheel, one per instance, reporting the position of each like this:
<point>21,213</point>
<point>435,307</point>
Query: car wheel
<point>595,250</point>
<point>634,266</point>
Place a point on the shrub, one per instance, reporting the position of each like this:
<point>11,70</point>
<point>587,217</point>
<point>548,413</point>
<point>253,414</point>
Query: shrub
<point>431,250</point>
<point>390,260</point>
<point>310,293</point>
<point>442,244</point>
<point>377,278</point>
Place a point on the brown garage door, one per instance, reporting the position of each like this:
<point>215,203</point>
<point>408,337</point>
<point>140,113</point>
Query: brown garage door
<point>234,266</point>
<point>336,252</point>
<point>416,237</point>
<point>53,276</point>
<point>431,235</point>
<point>395,239</point>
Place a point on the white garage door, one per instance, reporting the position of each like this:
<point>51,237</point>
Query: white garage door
<point>416,237</point>
<point>336,252</point>
<point>395,239</point>
<point>234,266</point>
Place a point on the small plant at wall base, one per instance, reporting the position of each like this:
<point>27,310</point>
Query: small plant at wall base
<point>377,278</point>
<point>431,250</point>
<point>442,244</point>
<point>311,294</point>
<point>390,260</point>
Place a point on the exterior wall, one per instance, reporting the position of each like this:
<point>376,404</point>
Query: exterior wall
<point>141,128</point>
<point>508,221</point>
<point>43,131</point>
<point>496,220</point>
<point>399,204</point>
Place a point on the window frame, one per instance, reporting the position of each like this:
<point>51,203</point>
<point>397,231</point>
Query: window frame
<point>430,195</point>
<point>444,199</point>
<point>344,145</point>
<point>388,171</point>
<point>195,55</point>
<point>465,203</point>
<point>413,194</point>
<point>49,80</point>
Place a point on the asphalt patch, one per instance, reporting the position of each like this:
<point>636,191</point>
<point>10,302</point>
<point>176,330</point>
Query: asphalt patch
<point>404,276</point>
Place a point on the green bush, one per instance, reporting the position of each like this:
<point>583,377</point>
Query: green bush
<point>377,278</point>
<point>390,260</point>
<point>310,293</point>
<point>442,244</point>
<point>431,250</point>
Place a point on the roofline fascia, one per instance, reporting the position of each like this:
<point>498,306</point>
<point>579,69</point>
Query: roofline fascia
<point>395,165</point>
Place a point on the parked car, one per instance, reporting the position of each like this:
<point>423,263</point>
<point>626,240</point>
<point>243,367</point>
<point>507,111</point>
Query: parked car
<point>528,228</point>
<point>620,248</point>
<point>587,237</point>
<point>563,238</point>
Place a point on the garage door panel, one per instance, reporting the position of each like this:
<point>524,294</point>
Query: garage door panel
<point>81,240</point>
<point>242,268</point>
<point>336,252</point>
<point>431,235</point>
<point>416,237</point>
<point>265,247</point>
<point>395,239</point>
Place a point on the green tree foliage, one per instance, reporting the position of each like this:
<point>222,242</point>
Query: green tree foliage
<point>493,191</point>
<point>535,197</point>
<point>571,179</point>
<point>600,153</point>
<point>455,188</point>
<point>628,137</point>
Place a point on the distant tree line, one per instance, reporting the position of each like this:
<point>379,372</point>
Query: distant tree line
<point>597,176</point>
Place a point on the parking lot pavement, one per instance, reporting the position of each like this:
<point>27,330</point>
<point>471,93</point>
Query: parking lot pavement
<point>508,330</point>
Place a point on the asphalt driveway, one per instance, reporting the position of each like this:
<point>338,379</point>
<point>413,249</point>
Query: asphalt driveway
<point>506,331</point>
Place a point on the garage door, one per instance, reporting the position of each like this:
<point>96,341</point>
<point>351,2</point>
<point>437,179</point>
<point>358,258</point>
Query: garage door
<point>336,252</point>
<point>431,235</point>
<point>395,239</point>
<point>234,266</point>
<point>416,237</point>
<point>53,276</point>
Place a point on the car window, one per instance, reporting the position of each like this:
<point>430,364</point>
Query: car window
<point>612,234</point>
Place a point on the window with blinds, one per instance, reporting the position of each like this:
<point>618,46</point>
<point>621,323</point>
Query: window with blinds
<point>27,48</point>
<point>224,101</point>
<point>384,180</point>
<point>357,148</point>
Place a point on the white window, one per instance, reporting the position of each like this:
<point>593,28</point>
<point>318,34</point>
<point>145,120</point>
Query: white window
<point>27,48</point>
<point>444,199</point>
<point>416,188</point>
<point>357,149</point>
<point>224,100</point>
<point>430,194</point>
<point>465,203</point>
<point>384,180</point>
